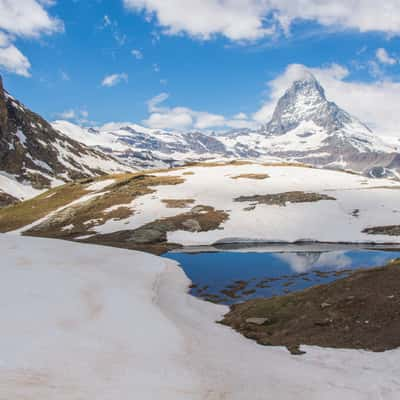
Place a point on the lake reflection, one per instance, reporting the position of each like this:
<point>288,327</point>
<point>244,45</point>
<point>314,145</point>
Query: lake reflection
<point>229,277</point>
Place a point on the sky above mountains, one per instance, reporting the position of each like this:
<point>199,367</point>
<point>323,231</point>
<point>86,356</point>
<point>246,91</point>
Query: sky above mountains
<point>189,64</point>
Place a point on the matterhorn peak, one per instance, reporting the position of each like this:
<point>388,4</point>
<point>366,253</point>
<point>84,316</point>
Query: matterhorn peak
<point>305,101</point>
<point>307,86</point>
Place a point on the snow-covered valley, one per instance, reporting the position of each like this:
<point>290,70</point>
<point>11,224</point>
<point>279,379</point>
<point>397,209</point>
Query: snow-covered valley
<point>108,323</point>
<point>213,203</point>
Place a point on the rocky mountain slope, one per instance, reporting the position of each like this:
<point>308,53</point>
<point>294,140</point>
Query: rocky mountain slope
<point>146,148</point>
<point>34,156</point>
<point>305,127</point>
<point>210,203</point>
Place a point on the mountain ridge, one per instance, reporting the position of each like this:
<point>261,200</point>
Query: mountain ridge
<point>305,127</point>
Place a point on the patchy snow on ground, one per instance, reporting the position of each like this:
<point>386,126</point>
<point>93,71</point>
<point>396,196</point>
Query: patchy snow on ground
<point>108,324</point>
<point>21,191</point>
<point>100,185</point>
<point>360,203</point>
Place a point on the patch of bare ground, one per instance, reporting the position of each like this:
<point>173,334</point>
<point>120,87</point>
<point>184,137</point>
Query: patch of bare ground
<point>287,164</point>
<point>361,311</point>
<point>280,199</point>
<point>389,230</point>
<point>177,203</point>
<point>251,176</point>
<point>7,200</point>
<point>29,211</point>
<point>236,163</point>
<point>188,173</point>
<point>152,237</point>
<point>80,219</point>
<point>394,187</point>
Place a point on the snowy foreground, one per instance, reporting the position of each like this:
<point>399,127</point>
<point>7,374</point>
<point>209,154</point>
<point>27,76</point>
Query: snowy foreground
<point>86,322</point>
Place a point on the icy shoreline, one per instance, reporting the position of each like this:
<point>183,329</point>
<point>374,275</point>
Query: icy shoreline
<point>233,367</point>
<point>80,321</point>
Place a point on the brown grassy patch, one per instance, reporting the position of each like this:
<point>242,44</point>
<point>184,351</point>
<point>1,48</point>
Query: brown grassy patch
<point>29,211</point>
<point>251,176</point>
<point>122,191</point>
<point>287,164</point>
<point>389,230</point>
<point>153,236</point>
<point>120,213</point>
<point>280,199</point>
<point>356,312</point>
<point>188,173</point>
<point>236,163</point>
<point>177,203</point>
<point>84,216</point>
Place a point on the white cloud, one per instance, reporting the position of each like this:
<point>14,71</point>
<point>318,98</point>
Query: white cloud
<point>383,56</point>
<point>254,19</point>
<point>114,79</point>
<point>113,27</point>
<point>11,59</point>
<point>374,103</point>
<point>156,100</point>
<point>187,119</point>
<point>27,18</point>
<point>137,54</point>
<point>23,18</point>
<point>241,116</point>
<point>106,21</point>
<point>235,19</point>
<point>177,118</point>
<point>79,116</point>
<point>67,114</point>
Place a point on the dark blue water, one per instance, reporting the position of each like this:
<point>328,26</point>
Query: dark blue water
<point>230,277</point>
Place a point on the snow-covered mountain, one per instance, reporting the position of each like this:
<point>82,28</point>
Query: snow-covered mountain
<point>305,127</point>
<point>144,147</point>
<point>34,156</point>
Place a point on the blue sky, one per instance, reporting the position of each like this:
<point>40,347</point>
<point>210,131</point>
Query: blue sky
<point>216,74</point>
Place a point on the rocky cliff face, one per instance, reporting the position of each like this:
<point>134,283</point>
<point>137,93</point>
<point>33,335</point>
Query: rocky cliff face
<point>306,101</point>
<point>34,153</point>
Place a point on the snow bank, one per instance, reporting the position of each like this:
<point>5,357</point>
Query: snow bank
<point>114,324</point>
<point>80,322</point>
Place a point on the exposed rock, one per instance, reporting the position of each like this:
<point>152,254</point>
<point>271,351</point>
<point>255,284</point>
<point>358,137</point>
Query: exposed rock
<point>389,230</point>
<point>281,199</point>
<point>6,199</point>
<point>192,225</point>
<point>257,321</point>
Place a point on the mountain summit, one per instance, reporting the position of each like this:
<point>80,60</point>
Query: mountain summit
<point>304,101</point>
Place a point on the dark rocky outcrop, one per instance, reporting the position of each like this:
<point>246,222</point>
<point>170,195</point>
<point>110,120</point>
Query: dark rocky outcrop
<point>32,151</point>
